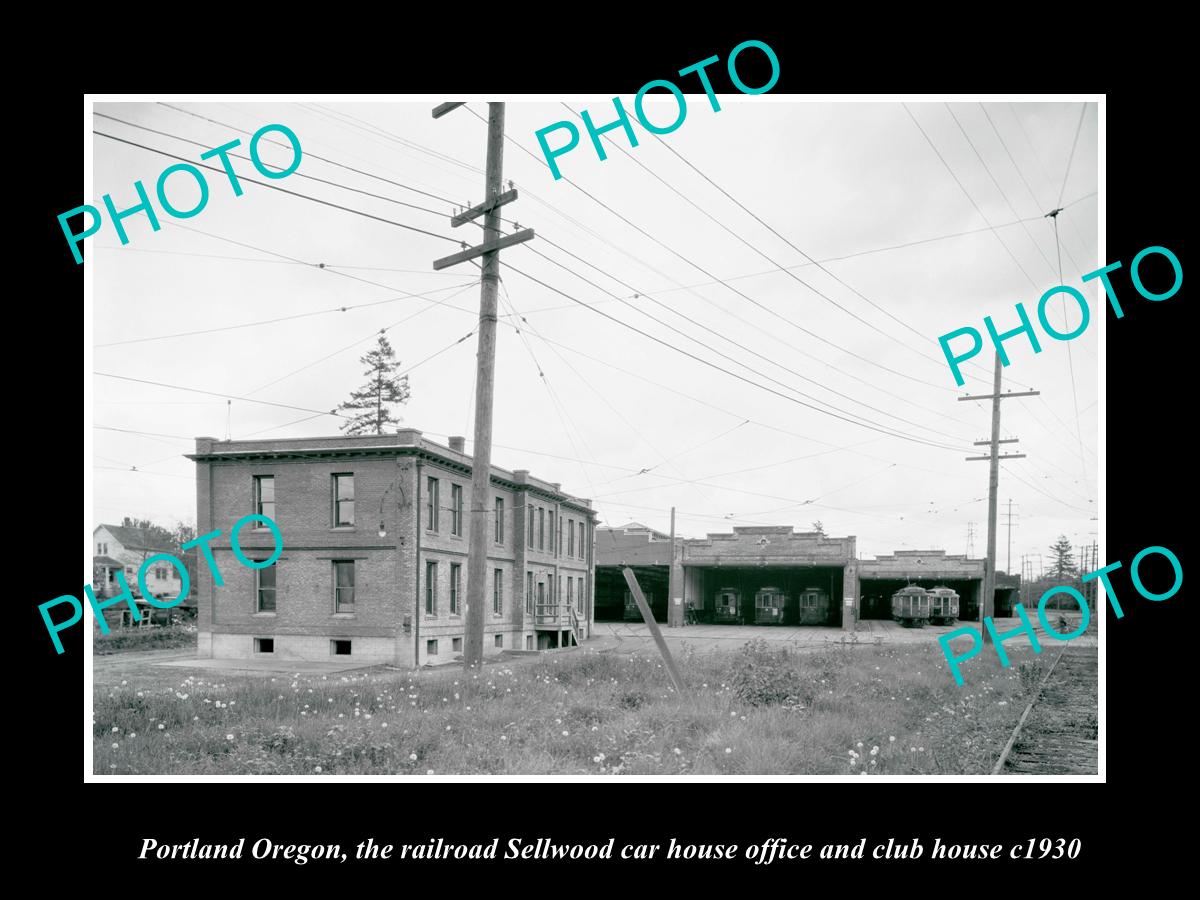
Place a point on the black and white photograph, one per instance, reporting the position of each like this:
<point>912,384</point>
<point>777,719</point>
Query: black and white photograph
<point>686,434</point>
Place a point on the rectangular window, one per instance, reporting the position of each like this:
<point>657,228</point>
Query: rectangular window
<point>343,586</point>
<point>551,531</point>
<point>264,645</point>
<point>499,520</point>
<point>431,648</point>
<point>579,598</point>
<point>498,591</point>
<point>531,526</point>
<point>339,648</point>
<point>264,498</point>
<point>431,504</point>
<point>529,642</point>
<point>570,537</point>
<point>549,590</point>
<point>265,588</point>
<point>541,595</point>
<point>455,572</point>
<point>456,509</point>
<point>582,551</point>
<point>431,580</point>
<point>570,590</point>
<point>499,640</point>
<point>529,593</point>
<point>343,500</point>
<point>541,528</point>
<point>456,644</point>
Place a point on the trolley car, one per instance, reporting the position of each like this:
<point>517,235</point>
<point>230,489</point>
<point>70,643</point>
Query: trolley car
<point>728,606</point>
<point>943,606</point>
<point>910,606</point>
<point>632,613</point>
<point>814,606</point>
<point>769,606</point>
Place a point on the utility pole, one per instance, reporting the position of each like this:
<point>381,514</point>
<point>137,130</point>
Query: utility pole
<point>675,605</point>
<point>481,461</point>
<point>988,601</point>
<point>1009,514</point>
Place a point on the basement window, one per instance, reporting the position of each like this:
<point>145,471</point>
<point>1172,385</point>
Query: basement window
<point>499,640</point>
<point>340,648</point>
<point>431,648</point>
<point>264,645</point>
<point>456,644</point>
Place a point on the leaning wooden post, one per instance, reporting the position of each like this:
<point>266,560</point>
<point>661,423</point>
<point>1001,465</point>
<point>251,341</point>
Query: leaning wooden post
<point>636,590</point>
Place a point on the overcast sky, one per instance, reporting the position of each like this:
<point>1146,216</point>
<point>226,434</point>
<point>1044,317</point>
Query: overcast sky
<point>847,184</point>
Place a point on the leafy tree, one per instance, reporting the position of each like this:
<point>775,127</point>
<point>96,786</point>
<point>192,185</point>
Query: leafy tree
<point>818,527</point>
<point>371,403</point>
<point>1062,566</point>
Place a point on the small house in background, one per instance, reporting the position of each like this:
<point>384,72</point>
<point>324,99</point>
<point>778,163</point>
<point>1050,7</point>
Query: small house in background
<point>124,548</point>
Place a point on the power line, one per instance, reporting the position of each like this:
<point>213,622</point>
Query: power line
<point>298,174</point>
<point>1003,193</point>
<point>1071,157</point>
<point>275,187</point>
<point>724,337</point>
<point>811,260</point>
<point>324,159</point>
<point>318,312</point>
<point>748,298</point>
<point>177,387</point>
<point>1020,174</point>
<point>967,194</point>
<point>752,246</point>
<point>355,343</point>
<point>720,369</point>
<point>144,472</point>
<point>1070,362</point>
<point>741,347</point>
<point>1042,168</point>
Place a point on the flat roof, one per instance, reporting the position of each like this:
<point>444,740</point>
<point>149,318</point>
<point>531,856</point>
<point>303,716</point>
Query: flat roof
<point>407,441</point>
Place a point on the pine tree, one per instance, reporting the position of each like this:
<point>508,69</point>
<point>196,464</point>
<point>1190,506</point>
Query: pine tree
<point>1062,567</point>
<point>818,527</point>
<point>371,403</point>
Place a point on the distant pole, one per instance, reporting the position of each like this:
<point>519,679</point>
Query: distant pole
<point>988,600</point>
<point>674,614</point>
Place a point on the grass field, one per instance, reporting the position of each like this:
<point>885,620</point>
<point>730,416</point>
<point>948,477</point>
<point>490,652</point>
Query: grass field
<point>166,637</point>
<point>876,710</point>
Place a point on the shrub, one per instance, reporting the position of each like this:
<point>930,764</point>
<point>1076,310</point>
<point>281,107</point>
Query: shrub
<point>761,676</point>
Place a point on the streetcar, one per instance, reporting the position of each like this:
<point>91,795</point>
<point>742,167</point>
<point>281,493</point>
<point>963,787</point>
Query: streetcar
<point>943,606</point>
<point>632,613</point>
<point>769,606</point>
<point>814,606</point>
<point>728,606</point>
<point>910,606</point>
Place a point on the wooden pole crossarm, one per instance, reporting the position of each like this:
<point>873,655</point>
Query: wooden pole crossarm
<point>1002,396</point>
<point>475,211</point>
<point>1006,456</point>
<point>442,108</point>
<point>471,252</point>
<point>1003,441</point>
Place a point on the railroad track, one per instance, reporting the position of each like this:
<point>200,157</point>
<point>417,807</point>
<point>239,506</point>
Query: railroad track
<point>1057,732</point>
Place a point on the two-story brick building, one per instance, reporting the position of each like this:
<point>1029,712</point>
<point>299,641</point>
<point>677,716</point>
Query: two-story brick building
<point>374,560</point>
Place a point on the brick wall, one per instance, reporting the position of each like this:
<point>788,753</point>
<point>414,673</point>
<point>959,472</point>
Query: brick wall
<point>389,619</point>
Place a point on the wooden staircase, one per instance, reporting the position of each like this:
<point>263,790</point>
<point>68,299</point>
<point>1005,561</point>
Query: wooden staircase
<point>576,628</point>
